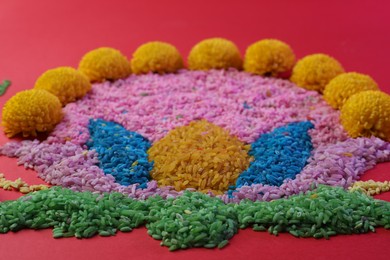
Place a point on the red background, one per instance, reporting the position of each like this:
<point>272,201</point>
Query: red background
<point>39,35</point>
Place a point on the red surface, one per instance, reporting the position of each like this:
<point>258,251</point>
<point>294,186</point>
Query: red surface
<point>38,35</point>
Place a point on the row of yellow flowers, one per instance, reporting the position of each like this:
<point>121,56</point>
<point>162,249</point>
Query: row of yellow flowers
<point>365,110</point>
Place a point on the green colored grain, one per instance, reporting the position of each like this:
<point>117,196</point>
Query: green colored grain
<point>58,235</point>
<point>223,243</point>
<point>321,213</point>
<point>125,229</point>
<point>4,85</point>
<point>194,219</point>
<point>173,248</point>
<point>210,245</point>
<point>157,237</point>
<point>80,214</point>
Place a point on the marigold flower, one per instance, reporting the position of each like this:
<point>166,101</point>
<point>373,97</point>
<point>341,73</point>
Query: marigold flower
<point>214,53</point>
<point>31,111</point>
<point>367,113</point>
<point>105,64</point>
<point>345,85</point>
<point>269,57</point>
<point>314,72</point>
<point>159,57</point>
<point>66,83</point>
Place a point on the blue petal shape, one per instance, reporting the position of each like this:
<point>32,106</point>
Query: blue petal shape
<point>278,155</point>
<point>121,153</point>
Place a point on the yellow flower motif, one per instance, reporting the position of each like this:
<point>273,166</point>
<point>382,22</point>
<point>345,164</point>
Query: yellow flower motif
<point>66,83</point>
<point>214,53</point>
<point>105,64</point>
<point>158,57</point>
<point>314,72</point>
<point>269,57</point>
<point>345,85</point>
<point>200,155</point>
<point>367,113</point>
<point>31,111</point>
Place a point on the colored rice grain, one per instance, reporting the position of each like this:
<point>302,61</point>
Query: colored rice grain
<point>194,219</point>
<point>278,155</point>
<point>191,220</point>
<point>370,187</point>
<point>338,164</point>
<point>4,85</point>
<point>72,213</point>
<point>321,213</point>
<point>69,165</point>
<point>152,105</point>
<point>19,185</point>
<point>201,156</point>
<point>121,153</point>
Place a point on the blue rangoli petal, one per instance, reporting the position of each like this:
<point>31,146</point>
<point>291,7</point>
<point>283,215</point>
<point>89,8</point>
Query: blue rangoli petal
<point>278,155</point>
<point>121,153</point>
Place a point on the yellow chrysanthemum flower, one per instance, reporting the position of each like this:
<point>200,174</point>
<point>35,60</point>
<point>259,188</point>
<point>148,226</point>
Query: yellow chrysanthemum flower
<point>314,72</point>
<point>66,83</point>
<point>269,57</point>
<point>158,57</point>
<point>105,64</point>
<point>214,53</point>
<point>345,85</point>
<point>367,113</point>
<point>31,111</point>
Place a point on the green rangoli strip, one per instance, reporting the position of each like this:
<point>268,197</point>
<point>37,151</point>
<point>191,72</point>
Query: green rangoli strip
<point>194,219</point>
